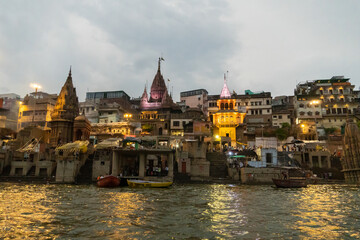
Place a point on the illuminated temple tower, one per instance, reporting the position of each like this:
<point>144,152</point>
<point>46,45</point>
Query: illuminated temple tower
<point>156,110</point>
<point>65,111</point>
<point>228,117</point>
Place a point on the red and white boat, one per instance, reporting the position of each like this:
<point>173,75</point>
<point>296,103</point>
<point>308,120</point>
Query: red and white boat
<point>108,181</point>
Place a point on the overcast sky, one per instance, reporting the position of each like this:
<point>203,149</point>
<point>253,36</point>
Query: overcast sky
<point>114,45</point>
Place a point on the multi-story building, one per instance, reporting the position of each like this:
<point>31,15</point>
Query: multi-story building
<point>327,103</point>
<point>195,99</point>
<point>9,109</point>
<point>96,96</point>
<point>258,110</point>
<point>36,109</point>
<point>180,122</point>
<point>283,111</point>
<point>105,106</point>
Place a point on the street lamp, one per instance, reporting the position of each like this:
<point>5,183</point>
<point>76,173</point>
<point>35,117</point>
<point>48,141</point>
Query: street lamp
<point>36,86</point>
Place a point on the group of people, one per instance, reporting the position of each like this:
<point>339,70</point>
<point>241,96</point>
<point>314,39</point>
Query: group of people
<point>156,171</point>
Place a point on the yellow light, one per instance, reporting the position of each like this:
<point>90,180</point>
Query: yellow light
<point>302,125</point>
<point>314,102</point>
<point>35,85</point>
<point>217,136</point>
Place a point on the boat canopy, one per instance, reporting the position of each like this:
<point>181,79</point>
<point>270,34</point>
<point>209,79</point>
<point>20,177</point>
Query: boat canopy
<point>76,146</point>
<point>109,143</point>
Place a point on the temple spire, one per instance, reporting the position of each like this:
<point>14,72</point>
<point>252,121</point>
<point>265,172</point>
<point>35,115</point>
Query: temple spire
<point>159,63</point>
<point>70,71</point>
<point>225,93</point>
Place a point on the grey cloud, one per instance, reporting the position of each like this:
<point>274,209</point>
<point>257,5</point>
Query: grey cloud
<point>115,44</point>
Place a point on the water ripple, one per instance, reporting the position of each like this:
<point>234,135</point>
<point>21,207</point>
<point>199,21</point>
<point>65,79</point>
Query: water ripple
<point>180,212</point>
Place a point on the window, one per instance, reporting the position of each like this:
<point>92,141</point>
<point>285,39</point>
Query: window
<point>344,110</point>
<point>280,116</point>
<point>301,105</point>
<point>338,110</point>
<point>333,110</point>
<point>302,113</point>
<point>176,123</point>
<point>268,110</point>
<point>309,113</point>
<point>268,102</point>
<point>317,113</point>
<point>274,116</point>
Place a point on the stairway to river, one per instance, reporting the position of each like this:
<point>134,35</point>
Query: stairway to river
<point>218,167</point>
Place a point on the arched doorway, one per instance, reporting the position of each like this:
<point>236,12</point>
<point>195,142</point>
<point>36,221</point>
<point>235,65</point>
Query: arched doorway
<point>78,135</point>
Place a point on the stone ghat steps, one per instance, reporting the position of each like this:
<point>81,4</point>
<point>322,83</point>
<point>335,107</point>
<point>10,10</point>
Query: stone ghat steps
<point>218,167</point>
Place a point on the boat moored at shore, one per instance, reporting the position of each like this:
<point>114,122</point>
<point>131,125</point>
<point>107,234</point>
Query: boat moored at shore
<point>108,181</point>
<point>151,184</point>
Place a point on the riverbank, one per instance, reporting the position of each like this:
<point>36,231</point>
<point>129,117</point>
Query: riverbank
<point>177,180</point>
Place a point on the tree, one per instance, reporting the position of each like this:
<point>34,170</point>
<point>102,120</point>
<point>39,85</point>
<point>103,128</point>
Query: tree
<point>330,130</point>
<point>283,132</point>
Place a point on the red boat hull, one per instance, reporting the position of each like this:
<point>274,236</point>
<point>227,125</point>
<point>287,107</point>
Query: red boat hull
<point>290,183</point>
<point>108,181</point>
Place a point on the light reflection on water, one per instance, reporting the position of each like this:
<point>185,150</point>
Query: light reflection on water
<point>182,211</point>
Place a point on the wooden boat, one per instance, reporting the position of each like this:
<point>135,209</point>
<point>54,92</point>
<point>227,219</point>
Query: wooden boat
<point>151,184</point>
<point>290,183</point>
<point>108,181</point>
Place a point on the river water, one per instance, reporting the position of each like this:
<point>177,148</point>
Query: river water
<point>193,211</point>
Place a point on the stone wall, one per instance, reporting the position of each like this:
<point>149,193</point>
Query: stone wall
<point>259,175</point>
